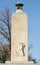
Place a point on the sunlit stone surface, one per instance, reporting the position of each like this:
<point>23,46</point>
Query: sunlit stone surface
<point>19,38</point>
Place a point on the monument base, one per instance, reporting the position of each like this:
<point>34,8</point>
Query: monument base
<point>25,62</point>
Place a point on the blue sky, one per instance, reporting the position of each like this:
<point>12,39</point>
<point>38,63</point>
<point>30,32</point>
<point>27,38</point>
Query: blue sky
<point>32,8</point>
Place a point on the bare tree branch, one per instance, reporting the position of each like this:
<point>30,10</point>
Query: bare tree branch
<point>5,18</point>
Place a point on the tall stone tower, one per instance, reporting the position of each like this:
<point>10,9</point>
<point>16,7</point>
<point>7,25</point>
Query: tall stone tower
<point>19,36</point>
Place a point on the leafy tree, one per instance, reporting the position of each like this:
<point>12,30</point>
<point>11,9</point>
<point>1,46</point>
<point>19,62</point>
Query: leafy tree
<point>4,55</point>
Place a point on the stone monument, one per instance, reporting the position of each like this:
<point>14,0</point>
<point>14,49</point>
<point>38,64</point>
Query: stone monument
<point>19,36</point>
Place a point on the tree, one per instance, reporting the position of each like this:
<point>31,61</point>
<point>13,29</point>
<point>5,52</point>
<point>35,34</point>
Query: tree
<point>30,56</point>
<point>4,52</point>
<point>5,26</point>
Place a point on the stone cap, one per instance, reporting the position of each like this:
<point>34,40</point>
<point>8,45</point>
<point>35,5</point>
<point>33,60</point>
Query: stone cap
<point>19,5</point>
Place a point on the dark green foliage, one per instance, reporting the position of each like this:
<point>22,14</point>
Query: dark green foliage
<point>32,59</point>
